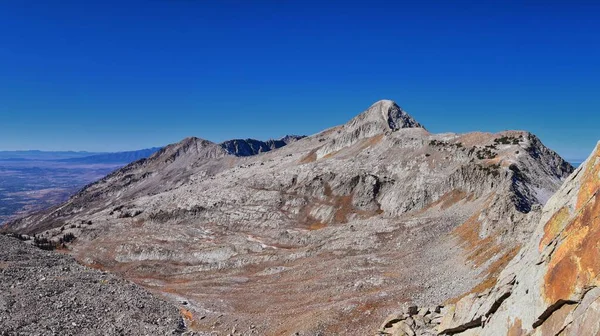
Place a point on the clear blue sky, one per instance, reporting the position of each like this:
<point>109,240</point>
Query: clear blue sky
<point>119,75</point>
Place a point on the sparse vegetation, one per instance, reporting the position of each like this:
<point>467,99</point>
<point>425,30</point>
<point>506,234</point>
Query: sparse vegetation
<point>438,143</point>
<point>49,245</point>
<point>493,169</point>
<point>508,140</point>
<point>128,214</point>
<point>484,153</point>
<point>69,237</point>
<point>44,243</point>
<point>19,236</point>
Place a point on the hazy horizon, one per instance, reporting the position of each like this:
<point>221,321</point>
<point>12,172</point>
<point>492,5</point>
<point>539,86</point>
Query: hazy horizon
<point>573,160</point>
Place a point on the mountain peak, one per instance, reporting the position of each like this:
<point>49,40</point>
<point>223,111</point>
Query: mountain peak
<point>383,117</point>
<point>386,115</point>
<point>395,117</point>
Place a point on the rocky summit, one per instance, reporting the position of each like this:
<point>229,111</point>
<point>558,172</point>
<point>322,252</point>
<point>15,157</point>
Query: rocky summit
<point>330,234</point>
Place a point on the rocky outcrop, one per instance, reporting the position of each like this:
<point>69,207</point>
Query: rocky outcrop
<point>552,286</point>
<point>413,321</point>
<point>382,117</point>
<point>47,293</point>
<point>248,147</point>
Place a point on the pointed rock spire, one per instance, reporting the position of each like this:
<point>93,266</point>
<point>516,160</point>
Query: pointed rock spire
<point>384,115</point>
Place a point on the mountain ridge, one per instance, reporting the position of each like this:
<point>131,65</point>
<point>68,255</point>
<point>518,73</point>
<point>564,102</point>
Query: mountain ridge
<point>385,196</point>
<point>550,287</point>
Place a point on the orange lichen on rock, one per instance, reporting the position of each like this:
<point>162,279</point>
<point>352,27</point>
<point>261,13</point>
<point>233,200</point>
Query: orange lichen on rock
<point>574,265</point>
<point>591,180</point>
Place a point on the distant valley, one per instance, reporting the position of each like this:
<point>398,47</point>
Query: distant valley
<point>33,180</point>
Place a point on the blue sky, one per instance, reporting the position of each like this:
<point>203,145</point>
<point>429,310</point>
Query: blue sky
<point>107,75</point>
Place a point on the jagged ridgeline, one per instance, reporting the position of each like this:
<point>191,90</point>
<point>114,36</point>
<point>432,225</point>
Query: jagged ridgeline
<point>328,233</point>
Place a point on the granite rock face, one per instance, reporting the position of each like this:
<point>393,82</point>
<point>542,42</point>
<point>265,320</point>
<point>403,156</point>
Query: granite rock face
<point>248,147</point>
<point>326,235</point>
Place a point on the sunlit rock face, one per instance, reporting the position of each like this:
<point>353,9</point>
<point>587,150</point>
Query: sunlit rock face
<point>551,286</point>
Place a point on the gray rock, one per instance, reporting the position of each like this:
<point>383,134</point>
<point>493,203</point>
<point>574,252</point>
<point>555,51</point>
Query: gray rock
<point>73,299</point>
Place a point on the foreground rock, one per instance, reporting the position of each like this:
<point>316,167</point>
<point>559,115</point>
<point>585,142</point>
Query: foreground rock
<point>325,235</point>
<point>552,286</point>
<point>413,321</point>
<point>46,293</point>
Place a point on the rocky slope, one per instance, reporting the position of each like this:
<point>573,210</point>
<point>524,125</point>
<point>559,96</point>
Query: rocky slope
<point>552,286</point>
<point>328,234</point>
<point>46,293</point>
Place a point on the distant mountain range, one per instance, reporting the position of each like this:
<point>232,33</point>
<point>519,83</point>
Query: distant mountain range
<point>22,155</point>
<point>237,147</point>
<point>118,157</point>
<point>77,157</point>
